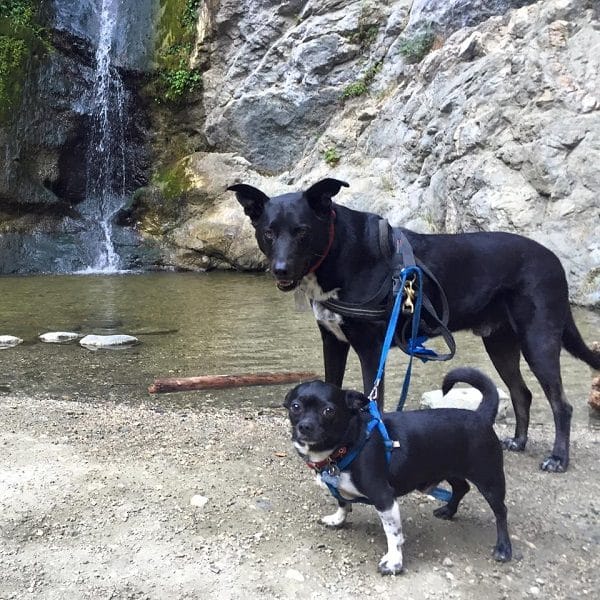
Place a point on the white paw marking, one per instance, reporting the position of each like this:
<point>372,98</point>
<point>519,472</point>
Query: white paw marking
<point>337,519</point>
<point>391,563</point>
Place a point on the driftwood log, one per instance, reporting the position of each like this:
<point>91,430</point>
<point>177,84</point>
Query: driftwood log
<point>213,382</point>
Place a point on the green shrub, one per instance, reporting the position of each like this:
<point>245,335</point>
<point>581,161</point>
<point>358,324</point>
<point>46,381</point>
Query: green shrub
<point>178,83</point>
<point>20,34</point>
<point>332,156</point>
<point>174,79</point>
<point>360,87</point>
<point>415,48</point>
<point>354,90</point>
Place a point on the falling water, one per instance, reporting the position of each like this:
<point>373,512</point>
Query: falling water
<point>82,115</point>
<point>106,171</point>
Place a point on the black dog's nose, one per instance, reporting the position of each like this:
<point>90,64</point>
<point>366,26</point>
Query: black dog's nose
<point>305,428</point>
<point>280,269</point>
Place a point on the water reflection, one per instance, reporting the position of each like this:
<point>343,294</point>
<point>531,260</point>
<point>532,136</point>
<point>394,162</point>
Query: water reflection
<point>200,324</point>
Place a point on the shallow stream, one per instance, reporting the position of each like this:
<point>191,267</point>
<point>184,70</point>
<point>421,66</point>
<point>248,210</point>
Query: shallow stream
<point>203,324</point>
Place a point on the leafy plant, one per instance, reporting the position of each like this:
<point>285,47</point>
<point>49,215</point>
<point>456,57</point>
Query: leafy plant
<point>354,90</point>
<point>332,156</point>
<point>367,28</point>
<point>360,87</point>
<point>177,83</point>
<point>415,48</point>
<point>175,79</point>
<point>19,35</point>
<point>190,13</point>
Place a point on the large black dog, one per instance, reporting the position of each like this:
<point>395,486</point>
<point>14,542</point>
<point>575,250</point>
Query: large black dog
<point>506,288</point>
<point>430,446</point>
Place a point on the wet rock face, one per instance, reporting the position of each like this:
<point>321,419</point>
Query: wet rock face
<point>448,16</point>
<point>277,74</point>
<point>494,128</point>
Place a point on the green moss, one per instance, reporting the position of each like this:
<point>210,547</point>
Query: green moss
<point>176,32</point>
<point>20,37</point>
<point>13,58</point>
<point>157,207</point>
<point>172,181</point>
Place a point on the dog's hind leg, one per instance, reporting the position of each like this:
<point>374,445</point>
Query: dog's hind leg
<point>504,350</point>
<point>544,361</point>
<point>494,493</point>
<point>459,488</point>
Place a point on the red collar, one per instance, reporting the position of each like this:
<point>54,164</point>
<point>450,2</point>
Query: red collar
<point>319,466</point>
<point>329,244</point>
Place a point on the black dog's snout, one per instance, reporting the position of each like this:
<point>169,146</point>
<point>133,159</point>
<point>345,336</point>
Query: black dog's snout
<point>280,269</point>
<point>305,428</point>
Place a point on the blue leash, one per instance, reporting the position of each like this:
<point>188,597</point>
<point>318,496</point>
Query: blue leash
<point>330,476</point>
<point>415,348</point>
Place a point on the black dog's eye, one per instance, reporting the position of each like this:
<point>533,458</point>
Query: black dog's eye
<point>328,412</point>
<point>301,233</point>
<point>268,234</point>
<point>295,407</point>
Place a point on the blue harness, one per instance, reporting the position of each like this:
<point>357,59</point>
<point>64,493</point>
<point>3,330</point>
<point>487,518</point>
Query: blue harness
<point>330,471</point>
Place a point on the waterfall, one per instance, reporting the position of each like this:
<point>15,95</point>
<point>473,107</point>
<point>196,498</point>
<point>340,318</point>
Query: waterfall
<point>120,35</point>
<point>78,147</point>
<point>106,166</point>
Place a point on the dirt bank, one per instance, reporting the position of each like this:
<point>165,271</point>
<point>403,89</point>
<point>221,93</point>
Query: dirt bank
<point>95,503</point>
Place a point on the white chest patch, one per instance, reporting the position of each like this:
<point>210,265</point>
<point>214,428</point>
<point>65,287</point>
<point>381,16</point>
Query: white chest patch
<point>345,486</point>
<point>327,318</point>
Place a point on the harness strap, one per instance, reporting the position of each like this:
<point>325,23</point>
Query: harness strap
<point>330,469</point>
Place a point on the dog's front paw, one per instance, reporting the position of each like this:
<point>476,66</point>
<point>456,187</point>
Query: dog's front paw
<point>391,564</point>
<point>554,464</point>
<point>503,552</point>
<point>338,518</point>
<point>514,444</point>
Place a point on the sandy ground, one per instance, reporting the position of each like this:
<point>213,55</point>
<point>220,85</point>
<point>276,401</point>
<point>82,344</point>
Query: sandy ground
<point>95,502</point>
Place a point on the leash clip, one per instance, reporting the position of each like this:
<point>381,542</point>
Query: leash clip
<point>408,306</point>
<point>374,392</point>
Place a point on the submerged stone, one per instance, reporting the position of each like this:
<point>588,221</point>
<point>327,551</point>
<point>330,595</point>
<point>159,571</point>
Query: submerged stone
<point>108,341</point>
<point>8,341</point>
<point>58,337</point>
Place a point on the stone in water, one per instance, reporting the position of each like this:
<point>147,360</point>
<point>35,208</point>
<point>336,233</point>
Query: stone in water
<point>58,337</point>
<point>8,341</point>
<point>94,342</point>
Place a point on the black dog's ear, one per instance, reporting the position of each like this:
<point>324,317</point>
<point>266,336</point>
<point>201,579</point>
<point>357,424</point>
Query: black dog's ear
<point>251,198</point>
<point>355,400</point>
<point>320,194</point>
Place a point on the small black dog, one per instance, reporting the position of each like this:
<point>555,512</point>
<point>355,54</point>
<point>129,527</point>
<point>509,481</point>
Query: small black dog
<point>506,288</point>
<point>429,446</point>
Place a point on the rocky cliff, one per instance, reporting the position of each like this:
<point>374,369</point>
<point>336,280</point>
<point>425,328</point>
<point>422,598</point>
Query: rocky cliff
<point>450,116</point>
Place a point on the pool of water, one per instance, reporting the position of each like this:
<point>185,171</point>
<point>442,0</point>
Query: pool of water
<point>202,324</point>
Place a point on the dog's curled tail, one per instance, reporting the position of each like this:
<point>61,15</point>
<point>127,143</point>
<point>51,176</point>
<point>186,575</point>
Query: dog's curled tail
<point>488,408</point>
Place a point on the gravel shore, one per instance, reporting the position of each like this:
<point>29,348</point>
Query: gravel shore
<point>113,501</point>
